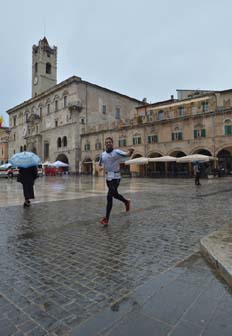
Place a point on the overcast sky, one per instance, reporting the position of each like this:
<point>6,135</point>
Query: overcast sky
<point>141,48</point>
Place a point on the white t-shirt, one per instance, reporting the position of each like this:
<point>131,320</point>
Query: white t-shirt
<point>111,162</point>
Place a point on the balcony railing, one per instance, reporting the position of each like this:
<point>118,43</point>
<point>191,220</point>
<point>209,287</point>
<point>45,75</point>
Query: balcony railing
<point>75,106</point>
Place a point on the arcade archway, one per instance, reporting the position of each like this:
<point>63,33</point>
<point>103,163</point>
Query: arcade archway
<point>62,158</point>
<point>136,169</point>
<point>207,167</point>
<point>203,152</point>
<point>155,169</point>
<point>175,169</point>
<point>225,160</point>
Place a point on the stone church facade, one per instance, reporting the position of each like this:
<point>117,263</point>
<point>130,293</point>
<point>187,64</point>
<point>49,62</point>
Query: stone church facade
<point>54,120</point>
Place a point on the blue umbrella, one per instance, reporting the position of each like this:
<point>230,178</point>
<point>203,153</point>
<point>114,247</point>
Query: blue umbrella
<point>25,160</point>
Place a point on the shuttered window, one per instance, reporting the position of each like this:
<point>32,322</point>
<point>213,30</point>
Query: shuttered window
<point>228,129</point>
<point>152,139</point>
<point>177,136</point>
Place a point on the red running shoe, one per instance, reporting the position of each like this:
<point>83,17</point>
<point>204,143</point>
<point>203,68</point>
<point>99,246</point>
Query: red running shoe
<point>104,221</point>
<point>127,205</point>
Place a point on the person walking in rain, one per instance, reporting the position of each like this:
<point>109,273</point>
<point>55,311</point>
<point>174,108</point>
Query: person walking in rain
<point>27,177</point>
<point>110,160</point>
<point>197,173</point>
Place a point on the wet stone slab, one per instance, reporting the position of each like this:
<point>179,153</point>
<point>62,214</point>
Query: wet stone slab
<point>217,248</point>
<point>169,309</point>
<point>59,268</point>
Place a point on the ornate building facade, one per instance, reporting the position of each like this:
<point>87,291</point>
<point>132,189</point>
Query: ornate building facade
<point>69,121</point>
<point>196,122</point>
<point>52,122</point>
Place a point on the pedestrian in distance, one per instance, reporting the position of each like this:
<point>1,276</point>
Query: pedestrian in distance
<point>110,161</point>
<point>197,173</point>
<point>27,177</point>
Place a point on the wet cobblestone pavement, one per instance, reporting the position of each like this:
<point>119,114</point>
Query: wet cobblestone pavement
<point>60,268</point>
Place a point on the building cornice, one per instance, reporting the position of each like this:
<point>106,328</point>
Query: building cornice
<point>70,80</point>
<point>176,102</point>
<point>44,94</point>
<point>112,91</point>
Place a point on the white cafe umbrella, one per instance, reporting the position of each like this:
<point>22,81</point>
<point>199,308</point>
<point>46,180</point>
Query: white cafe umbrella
<point>195,157</point>
<point>137,161</point>
<point>58,164</point>
<point>46,163</point>
<point>166,158</point>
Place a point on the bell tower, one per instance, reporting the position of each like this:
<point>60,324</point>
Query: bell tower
<point>44,67</point>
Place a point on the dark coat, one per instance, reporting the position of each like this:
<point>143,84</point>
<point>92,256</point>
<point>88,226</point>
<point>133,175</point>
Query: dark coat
<point>27,175</point>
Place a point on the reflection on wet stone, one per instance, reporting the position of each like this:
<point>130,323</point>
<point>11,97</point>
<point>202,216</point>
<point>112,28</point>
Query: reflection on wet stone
<point>57,263</point>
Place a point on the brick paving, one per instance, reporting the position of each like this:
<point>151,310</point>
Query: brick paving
<point>59,268</point>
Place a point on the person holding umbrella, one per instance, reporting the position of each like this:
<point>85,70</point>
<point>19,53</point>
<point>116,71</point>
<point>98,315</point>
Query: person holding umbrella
<point>27,163</point>
<point>197,172</point>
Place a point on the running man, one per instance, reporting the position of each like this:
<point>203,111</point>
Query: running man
<point>110,159</point>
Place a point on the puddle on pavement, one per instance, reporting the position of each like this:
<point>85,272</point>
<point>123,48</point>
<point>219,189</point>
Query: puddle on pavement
<point>124,304</point>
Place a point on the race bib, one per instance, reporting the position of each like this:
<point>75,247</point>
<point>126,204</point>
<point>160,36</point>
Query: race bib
<point>110,176</point>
